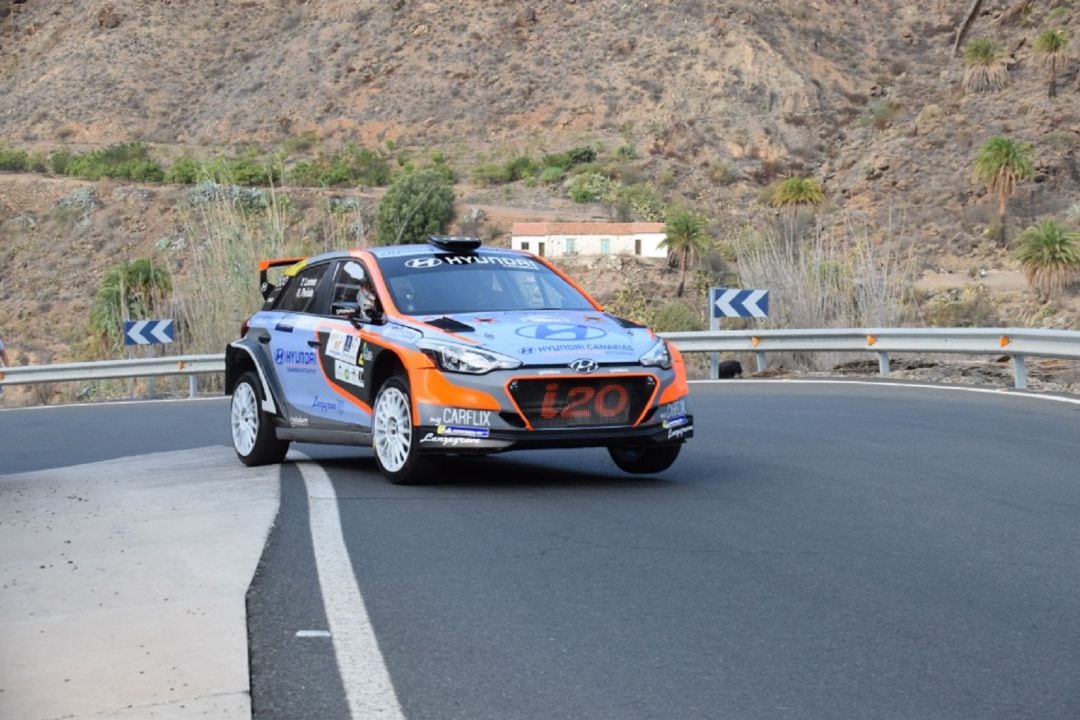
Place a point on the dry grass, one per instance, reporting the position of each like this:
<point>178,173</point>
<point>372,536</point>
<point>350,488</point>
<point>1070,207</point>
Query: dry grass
<point>826,277</point>
<point>225,242</point>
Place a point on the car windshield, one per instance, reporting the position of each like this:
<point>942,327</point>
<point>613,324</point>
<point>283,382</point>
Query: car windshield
<point>439,284</point>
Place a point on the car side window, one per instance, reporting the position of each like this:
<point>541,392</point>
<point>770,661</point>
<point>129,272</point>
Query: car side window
<point>299,294</point>
<point>348,278</point>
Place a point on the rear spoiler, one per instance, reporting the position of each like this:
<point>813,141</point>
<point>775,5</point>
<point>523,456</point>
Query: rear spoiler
<point>265,287</point>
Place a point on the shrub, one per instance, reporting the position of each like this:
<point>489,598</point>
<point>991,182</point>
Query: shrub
<point>643,200</point>
<point>879,113</point>
<point>565,160</point>
<point>588,188</point>
<point>249,168</point>
<point>301,143</point>
<point>966,307</point>
<point>59,160</point>
<point>13,160</point>
<point>125,160</point>
<point>551,175</point>
<point>418,204</point>
<point>512,170</point>
<point>184,171</point>
<point>627,152</point>
<point>675,317</point>
<point>352,165</point>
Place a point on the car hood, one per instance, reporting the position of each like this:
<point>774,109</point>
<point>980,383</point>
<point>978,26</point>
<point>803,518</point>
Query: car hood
<point>546,337</point>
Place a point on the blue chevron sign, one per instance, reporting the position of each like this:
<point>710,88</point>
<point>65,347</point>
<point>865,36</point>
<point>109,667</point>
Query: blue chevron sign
<point>148,332</point>
<point>735,302</point>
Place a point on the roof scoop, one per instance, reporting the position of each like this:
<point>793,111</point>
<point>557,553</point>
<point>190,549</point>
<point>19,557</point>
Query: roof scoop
<point>455,243</point>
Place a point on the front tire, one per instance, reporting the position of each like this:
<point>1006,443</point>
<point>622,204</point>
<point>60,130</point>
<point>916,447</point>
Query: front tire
<point>252,430</point>
<point>643,459</point>
<point>393,436</point>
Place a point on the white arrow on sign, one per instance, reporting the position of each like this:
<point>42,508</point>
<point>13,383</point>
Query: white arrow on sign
<point>751,303</point>
<point>160,332</point>
<point>724,302</point>
<point>135,333</point>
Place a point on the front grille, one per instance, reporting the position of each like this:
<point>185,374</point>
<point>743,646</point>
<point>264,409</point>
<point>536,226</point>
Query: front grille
<point>566,402</point>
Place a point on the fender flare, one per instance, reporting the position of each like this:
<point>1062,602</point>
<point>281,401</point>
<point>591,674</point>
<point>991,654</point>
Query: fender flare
<point>268,403</point>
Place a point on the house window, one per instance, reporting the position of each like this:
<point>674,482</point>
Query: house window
<point>524,244</point>
<point>637,246</point>
<point>605,246</point>
<point>570,249</point>
<point>540,252</point>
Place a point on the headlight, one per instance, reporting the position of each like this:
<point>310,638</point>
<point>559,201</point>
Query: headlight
<point>658,356</point>
<point>464,359</point>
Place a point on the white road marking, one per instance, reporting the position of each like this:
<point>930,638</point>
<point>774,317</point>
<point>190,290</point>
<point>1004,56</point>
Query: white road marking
<point>368,689</point>
<point>1008,392</point>
<point>312,633</point>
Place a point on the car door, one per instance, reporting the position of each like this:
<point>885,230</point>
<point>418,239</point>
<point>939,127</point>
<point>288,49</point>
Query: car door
<point>343,355</point>
<point>293,344</point>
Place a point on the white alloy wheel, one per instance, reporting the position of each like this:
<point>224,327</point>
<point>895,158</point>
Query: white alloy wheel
<point>393,428</point>
<point>245,418</point>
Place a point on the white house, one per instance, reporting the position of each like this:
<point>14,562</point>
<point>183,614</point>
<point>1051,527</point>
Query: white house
<point>560,239</point>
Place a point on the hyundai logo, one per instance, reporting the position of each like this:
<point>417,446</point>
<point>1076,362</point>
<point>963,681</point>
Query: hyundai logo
<point>584,366</point>
<point>428,262</point>
<point>560,331</point>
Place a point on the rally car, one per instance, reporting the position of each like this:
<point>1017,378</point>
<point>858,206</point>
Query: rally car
<point>420,351</point>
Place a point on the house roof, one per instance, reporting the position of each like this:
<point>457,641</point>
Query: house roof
<point>584,228</point>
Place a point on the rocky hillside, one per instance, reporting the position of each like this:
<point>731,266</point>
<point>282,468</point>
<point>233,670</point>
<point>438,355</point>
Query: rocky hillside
<point>719,99</point>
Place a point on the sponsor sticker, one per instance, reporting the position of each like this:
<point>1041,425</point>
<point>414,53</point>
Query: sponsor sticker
<point>302,361</point>
<point>343,346</point>
<point>298,422</point>
<point>328,406</point>
<point>449,441</point>
<point>675,422</point>
<point>350,374</point>
<point>671,410</point>
<point>556,332</point>
<point>463,416</point>
<point>677,432</point>
<point>402,333</point>
<point>613,348</point>
<point>462,431</point>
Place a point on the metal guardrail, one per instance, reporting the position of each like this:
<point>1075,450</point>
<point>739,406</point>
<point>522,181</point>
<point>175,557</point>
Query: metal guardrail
<point>1017,343</point>
<point>190,365</point>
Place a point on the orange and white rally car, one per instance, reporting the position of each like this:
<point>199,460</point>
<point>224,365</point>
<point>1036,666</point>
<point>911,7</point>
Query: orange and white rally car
<point>449,348</point>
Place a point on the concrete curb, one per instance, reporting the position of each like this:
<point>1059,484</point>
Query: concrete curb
<point>122,586</point>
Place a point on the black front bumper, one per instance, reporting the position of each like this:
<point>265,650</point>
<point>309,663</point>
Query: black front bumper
<point>430,441</point>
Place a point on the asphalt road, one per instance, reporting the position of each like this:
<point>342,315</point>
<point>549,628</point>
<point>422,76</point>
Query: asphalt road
<point>819,551</point>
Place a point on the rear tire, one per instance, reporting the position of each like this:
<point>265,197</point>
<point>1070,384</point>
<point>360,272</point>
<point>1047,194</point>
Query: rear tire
<point>393,436</point>
<point>644,459</point>
<point>252,429</point>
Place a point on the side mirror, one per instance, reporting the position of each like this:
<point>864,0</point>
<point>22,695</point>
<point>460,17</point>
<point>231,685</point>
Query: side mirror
<point>368,309</point>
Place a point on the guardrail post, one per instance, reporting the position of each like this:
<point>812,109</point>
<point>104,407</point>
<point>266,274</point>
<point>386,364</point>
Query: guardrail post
<point>759,358</point>
<point>193,386</point>
<point>883,364</point>
<point>1020,375</point>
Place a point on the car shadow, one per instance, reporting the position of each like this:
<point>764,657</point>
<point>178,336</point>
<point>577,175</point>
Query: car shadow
<point>495,471</point>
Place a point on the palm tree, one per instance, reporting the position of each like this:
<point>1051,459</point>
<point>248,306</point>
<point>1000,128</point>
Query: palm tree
<point>1050,254</point>
<point>1052,45</point>
<point>128,291</point>
<point>1000,165</point>
<point>797,191</point>
<point>686,239</point>
<point>984,66</point>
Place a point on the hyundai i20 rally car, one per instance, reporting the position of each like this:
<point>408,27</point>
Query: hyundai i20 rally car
<point>421,351</point>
